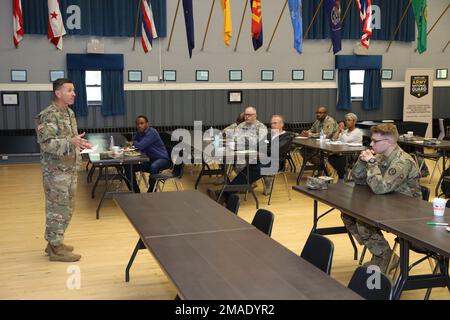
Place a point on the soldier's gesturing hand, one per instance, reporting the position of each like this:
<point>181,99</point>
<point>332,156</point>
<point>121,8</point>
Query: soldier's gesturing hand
<point>81,143</point>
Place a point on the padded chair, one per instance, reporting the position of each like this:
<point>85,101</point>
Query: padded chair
<point>233,203</point>
<point>263,221</point>
<point>358,283</point>
<point>318,250</point>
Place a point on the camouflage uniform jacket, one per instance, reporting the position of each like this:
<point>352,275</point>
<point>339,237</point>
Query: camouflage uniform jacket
<point>254,132</point>
<point>54,129</point>
<point>329,126</point>
<point>398,172</point>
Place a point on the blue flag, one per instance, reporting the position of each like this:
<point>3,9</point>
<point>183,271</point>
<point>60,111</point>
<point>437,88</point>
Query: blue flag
<point>333,11</point>
<point>296,19</point>
<point>189,21</point>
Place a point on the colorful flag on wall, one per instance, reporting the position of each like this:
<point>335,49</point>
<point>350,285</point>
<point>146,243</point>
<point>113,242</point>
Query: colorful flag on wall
<point>148,26</point>
<point>420,14</point>
<point>17,22</point>
<point>365,17</point>
<point>189,22</point>
<point>257,31</point>
<point>227,25</point>
<point>55,30</point>
<point>333,11</point>
<point>296,19</point>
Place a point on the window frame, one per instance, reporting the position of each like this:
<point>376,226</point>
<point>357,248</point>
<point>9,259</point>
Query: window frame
<point>93,103</point>
<point>354,98</point>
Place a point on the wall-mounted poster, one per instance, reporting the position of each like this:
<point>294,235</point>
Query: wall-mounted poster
<point>418,97</point>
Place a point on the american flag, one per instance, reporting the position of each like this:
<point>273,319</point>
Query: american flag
<point>365,17</point>
<point>148,27</point>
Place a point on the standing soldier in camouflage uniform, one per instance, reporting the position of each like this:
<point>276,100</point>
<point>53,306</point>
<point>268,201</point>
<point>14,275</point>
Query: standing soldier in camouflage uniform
<point>60,143</point>
<point>390,170</point>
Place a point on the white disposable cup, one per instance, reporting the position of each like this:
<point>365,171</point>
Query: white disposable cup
<point>439,206</point>
<point>410,133</point>
<point>115,149</point>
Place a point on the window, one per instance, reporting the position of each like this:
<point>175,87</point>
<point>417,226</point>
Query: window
<point>357,84</point>
<point>94,88</point>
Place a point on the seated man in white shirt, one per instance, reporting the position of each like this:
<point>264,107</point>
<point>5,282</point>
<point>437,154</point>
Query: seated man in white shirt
<point>349,135</point>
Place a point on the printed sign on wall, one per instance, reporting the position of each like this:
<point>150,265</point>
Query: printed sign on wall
<point>418,97</point>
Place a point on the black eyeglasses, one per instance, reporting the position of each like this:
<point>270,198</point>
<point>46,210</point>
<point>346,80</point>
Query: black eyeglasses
<point>375,141</point>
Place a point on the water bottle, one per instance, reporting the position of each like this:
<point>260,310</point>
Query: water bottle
<point>111,143</point>
<point>216,142</point>
<point>322,136</point>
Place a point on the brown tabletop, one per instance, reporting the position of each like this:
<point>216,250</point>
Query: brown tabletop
<point>244,264</point>
<point>313,143</point>
<point>360,202</point>
<point>444,145</point>
<point>434,238</point>
<point>174,213</point>
<point>394,212</point>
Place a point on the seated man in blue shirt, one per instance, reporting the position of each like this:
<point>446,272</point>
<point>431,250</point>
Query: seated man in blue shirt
<point>148,141</point>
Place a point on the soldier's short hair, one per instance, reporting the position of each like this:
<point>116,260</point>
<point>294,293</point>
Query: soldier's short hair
<point>279,116</point>
<point>386,129</point>
<point>58,83</point>
<point>143,117</point>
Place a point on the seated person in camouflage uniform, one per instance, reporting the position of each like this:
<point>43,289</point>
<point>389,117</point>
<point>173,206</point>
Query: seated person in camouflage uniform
<point>386,168</point>
<point>324,122</point>
<point>255,172</point>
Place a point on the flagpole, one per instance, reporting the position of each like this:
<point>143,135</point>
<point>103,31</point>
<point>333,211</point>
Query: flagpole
<point>442,14</point>
<point>313,19</point>
<point>276,27</point>
<point>207,25</point>
<point>342,21</point>
<point>173,25</point>
<point>240,26</point>
<point>398,26</point>
<point>443,50</point>
<point>136,23</point>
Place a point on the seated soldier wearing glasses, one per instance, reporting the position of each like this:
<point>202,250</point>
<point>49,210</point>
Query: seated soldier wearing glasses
<point>384,168</point>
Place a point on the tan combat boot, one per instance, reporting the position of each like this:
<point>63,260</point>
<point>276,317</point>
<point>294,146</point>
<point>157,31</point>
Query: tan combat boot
<point>58,253</point>
<point>66,247</point>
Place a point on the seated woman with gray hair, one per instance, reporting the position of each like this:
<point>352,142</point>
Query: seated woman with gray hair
<point>349,134</point>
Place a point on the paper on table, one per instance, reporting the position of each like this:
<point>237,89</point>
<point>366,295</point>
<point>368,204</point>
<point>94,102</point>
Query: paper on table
<point>93,149</point>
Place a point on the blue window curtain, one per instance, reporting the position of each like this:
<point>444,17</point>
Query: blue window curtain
<point>111,65</point>
<point>390,14</point>
<point>344,96</point>
<point>372,80</point>
<point>79,81</point>
<point>372,98</point>
<point>107,18</point>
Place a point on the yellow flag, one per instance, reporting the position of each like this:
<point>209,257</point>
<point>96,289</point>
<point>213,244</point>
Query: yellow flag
<point>227,25</point>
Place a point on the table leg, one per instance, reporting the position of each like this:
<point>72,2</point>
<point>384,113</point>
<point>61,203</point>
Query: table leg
<point>97,212</point>
<point>140,245</point>
<point>100,173</point>
<point>404,269</point>
<point>436,190</point>
<point>199,176</point>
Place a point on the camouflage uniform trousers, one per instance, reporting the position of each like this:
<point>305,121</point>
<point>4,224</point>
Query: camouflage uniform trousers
<point>59,189</point>
<point>367,235</point>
